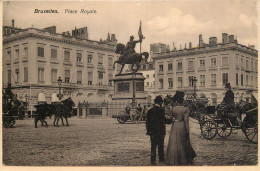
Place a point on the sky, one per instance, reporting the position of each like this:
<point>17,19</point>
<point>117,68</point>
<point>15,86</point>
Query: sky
<point>162,21</point>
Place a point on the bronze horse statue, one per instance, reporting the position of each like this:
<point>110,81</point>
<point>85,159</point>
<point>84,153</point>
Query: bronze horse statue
<point>129,58</point>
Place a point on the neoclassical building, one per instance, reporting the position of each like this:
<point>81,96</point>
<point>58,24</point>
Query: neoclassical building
<point>213,65</point>
<point>33,59</point>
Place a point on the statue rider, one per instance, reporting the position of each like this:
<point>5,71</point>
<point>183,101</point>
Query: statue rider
<point>130,46</point>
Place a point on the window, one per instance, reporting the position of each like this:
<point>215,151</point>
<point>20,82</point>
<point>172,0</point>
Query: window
<point>90,56</point>
<point>54,75</point>
<point>9,76</point>
<point>224,78</point>
<point>169,66</point>
<point>247,64</point>
<point>100,59</point>
<point>190,65</point>
<point>25,76</point>
<point>147,76</point>
<point>9,55</point>
<point>154,83</point>
<point>179,66</point>
<point>100,78</point>
<point>25,49</point>
<point>90,78</point>
<point>67,76</point>
<point>246,79</point>
<point>225,61</point>
<point>40,51</point>
<point>161,67</point>
<point>110,62</point>
<point>213,79</point>
<point>256,68</point>
<point>17,53</point>
<point>252,65</point>
<point>237,79</point>
<point>213,62</point>
<point>17,72</point>
<point>79,57</point>
<point>202,63</point>
<point>67,55</point>
<point>237,61</point>
<point>147,84</point>
<point>41,75</point>
<point>202,80</point>
<point>110,77</point>
<point>242,63</point>
<point>242,80</point>
<point>54,53</point>
<point>170,83</point>
<point>252,80</point>
<point>190,81</point>
<point>79,77</point>
<point>179,82</point>
<point>161,83</point>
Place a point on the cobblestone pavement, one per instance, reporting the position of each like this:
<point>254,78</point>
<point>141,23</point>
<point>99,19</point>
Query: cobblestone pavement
<point>105,142</point>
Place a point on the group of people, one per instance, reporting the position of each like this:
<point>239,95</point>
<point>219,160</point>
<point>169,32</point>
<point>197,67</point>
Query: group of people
<point>179,150</point>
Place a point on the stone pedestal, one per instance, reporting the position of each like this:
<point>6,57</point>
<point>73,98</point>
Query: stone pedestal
<point>123,88</point>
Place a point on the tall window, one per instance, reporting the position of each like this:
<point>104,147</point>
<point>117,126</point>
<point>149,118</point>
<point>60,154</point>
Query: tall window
<point>169,66</point>
<point>202,80</point>
<point>25,49</point>
<point>252,65</point>
<point>54,53</point>
<point>25,72</point>
<point>242,79</point>
<point>17,72</point>
<point>190,65</point>
<point>110,81</point>
<point>41,75</point>
<point>54,75</point>
<point>170,83</point>
<point>90,56</point>
<point>110,62</point>
<point>213,79</point>
<point>237,61</point>
<point>246,79</point>
<point>247,64</point>
<point>242,62</point>
<point>79,57</point>
<point>9,76</point>
<point>67,55</point>
<point>179,82</point>
<point>213,62</point>
<point>179,66</point>
<point>67,76</point>
<point>224,78</point>
<point>100,78</point>
<point>17,53</point>
<point>100,59</point>
<point>224,61</point>
<point>161,83</point>
<point>252,80</point>
<point>256,68</point>
<point>153,75</point>
<point>202,63</point>
<point>9,55</point>
<point>90,78</point>
<point>79,77</point>
<point>190,81</point>
<point>161,67</point>
<point>40,51</point>
<point>237,79</point>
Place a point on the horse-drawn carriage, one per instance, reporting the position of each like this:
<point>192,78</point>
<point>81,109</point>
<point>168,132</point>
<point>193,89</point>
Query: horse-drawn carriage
<point>133,115</point>
<point>244,116</point>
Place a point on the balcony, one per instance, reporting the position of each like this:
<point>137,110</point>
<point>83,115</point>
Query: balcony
<point>41,59</point>
<point>202,69</point>
<point>16,61</point>
<point>79,64</point>
<point>90,65</point>
<point>213,68</point>
<point>67,63</point>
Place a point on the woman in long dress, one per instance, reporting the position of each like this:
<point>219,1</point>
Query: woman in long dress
<point>180,151</point>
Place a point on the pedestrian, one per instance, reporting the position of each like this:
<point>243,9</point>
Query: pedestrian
<point>144,113</point>
<point>179,150</point>
<point>155,126</point>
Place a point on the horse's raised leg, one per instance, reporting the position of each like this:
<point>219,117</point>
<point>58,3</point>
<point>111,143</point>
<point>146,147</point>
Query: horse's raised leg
<point>122,66</point>
<point>138,66</point>
<point>114,64</point>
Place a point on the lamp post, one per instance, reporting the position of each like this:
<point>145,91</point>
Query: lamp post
<point>26,101</point>
<point>59,95</point>
<point>194,82</point>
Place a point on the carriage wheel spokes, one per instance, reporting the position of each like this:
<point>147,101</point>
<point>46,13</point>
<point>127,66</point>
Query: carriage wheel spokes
<point>209,129</point>
<point>251,132</point>
<point>223,130</point>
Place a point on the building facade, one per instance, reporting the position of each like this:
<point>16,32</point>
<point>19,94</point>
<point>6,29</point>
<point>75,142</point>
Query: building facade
<point>213,65</point>
<point>34,59</point>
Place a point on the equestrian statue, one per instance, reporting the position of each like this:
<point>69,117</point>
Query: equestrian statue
<point>128,54</point>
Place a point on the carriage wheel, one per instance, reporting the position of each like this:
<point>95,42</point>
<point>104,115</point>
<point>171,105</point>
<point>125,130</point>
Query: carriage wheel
<point>223,130</point>
<point>251,132</point>
<point>121,119</point>
<point>208,129</point>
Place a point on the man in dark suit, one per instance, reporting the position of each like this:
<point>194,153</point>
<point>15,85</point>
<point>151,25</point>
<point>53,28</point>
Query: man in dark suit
<point>155,126</point>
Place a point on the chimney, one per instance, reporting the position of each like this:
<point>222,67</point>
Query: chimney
<point>212,41</point>
<point>12,23</point>
<point>231,39</point>
<point>190,45</point>
<point>224,38</point>
<point>200,41</point>
<point>185,46</point>
<point>108,37</point>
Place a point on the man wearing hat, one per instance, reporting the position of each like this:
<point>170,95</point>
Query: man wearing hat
<point>155,127</point>
<point>229,98</point>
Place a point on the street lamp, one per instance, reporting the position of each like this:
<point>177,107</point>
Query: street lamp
<point>59,83</point>
<point>194,82</point>
<point>26,103</point>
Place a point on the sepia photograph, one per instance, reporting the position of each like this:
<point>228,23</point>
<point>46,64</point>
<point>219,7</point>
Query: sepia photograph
<point>130,83</point>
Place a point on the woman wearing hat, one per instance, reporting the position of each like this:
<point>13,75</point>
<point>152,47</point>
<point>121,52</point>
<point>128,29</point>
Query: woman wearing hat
<point>180,151</point>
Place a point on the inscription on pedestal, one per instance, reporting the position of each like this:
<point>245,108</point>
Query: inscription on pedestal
<point>123,88</point>
<point>139,86</point>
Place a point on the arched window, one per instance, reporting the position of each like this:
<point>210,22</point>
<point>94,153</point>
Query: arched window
<point>90,94</point>
<point>202,95</point>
